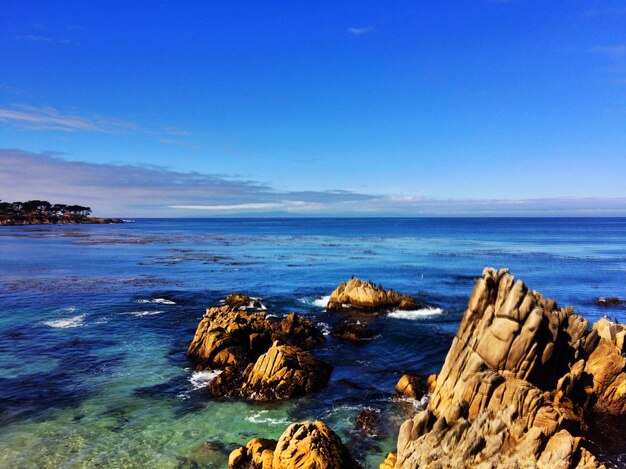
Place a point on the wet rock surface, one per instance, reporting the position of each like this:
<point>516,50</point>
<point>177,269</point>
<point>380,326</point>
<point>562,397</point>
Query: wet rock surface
<point>519,380</point>
<point>609,301</point>
<point>362,295</point>
<point>352,331</point>
<point>307,445</point>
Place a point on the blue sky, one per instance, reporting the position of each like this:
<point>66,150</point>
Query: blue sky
<point>203,108</point>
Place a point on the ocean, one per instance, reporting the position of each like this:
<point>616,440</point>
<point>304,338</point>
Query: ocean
<point>95,321</point>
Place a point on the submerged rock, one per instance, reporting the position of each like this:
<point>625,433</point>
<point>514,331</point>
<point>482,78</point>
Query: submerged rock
<point>359,294</point>
<point>352,331</point>
<point>303,445</point>
<point>519,378</point>
<point>609,301</point>
<point>237,342</point>
<point>368,421</point>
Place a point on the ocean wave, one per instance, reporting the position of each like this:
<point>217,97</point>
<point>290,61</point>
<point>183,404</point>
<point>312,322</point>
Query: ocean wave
<point>416,313</point>
<point>144,313</point>
<point>260,417</point>
<point>324,327</point>
<point>201,379</point>
<point>75,321</point>
<point>322,302</point>
<point>158,301</point>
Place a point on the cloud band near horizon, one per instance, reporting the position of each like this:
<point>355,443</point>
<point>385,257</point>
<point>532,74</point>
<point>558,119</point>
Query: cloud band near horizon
<point>150,191</point>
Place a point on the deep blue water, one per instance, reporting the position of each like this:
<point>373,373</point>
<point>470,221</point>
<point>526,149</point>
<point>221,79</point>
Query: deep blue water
<point>95,320</point>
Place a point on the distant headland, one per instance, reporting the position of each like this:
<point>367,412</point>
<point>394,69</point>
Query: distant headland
<point>42,212</point>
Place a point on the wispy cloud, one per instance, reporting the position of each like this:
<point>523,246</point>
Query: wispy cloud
<point>38,38</point>
<point>48,118</point>
<point>39,118</point>
<point>614,50</point>
<point>360,31</point>
<point>180,143</point>
<point>131,190</point>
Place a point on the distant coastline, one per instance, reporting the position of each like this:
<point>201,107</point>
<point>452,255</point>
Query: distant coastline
<point>42,212</point>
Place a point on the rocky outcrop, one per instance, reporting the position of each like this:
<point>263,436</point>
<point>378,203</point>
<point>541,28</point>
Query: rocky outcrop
<point>415,386</point>
<point>352,331</point>
<point>519,378</point>
<point>303,445</point>
<point>363,295</point>
<point>282,372</point>
<point>242,302</point>
<point>254,355</point>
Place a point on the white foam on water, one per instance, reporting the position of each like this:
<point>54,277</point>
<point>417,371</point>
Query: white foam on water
<point>144,313</point>
<point>158,301</point>
<point>324,327</point>
<point>201,379</point>
<point>416,313</point>
<point>321,302</point>
<point>260,417</point>
<point>67,323</point>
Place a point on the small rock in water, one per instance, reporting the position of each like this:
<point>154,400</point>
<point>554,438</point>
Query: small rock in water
<point>610,301</point>
<point>352,331</point>
<point>303,445</point>
<point>368,421</point>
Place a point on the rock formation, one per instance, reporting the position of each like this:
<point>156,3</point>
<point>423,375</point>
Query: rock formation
<point>609,301</point>
<point>415,386</point>
<point>358,294</point>
<point>259,359</point>
<point>352,331</point>
<point>303,445</point>
<point>520,376</point>
<point>282,372</point>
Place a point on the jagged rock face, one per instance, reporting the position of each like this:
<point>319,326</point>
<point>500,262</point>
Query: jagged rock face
<point>365,295</point>
<point>303,445</point>
<point>352,331</point>
<point>516,384</point>
<point>282,372</point>
<point>297,331</point>
<point>227,336</point>
<point>239,344</point>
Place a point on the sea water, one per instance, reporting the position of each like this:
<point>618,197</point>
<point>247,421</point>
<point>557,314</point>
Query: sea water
<point>95,321</point>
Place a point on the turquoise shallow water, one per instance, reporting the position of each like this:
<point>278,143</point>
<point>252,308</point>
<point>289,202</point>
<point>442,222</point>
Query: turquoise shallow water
<point>94,322</point>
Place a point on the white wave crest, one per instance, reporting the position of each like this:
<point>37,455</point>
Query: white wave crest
<point>144,313</point>
<point>416,313</point>
<point>158,301</point>
<point>67,323</point>
<point>325,328</point>
<point>260,417</point>
<point>201,379</point>
<point>321,302</point>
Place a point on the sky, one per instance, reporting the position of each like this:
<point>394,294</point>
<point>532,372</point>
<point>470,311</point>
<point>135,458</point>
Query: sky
<point>198,108</point>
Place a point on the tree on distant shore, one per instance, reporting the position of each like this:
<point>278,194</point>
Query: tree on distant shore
<point>30,207</point>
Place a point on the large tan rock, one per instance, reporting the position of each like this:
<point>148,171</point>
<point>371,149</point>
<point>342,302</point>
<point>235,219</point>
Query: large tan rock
<point>282,372</point>
<point>359,294</point>
<point>516,383</point>
<point>231,339</point>
<point>302,446</point>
